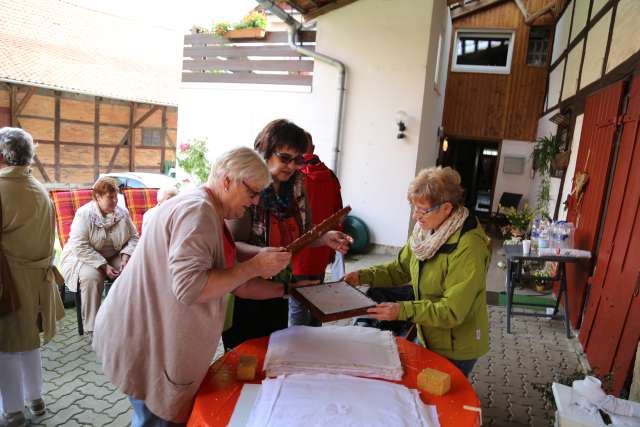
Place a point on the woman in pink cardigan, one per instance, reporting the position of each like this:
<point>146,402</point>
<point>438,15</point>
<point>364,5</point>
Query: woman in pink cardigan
<point>159,328</point>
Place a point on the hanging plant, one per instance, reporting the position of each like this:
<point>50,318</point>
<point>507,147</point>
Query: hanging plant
<point>544,153</point>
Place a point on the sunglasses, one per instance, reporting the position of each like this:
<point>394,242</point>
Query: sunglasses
<point>287,159</point>
<point>422,212</point>
<point>252,193</point>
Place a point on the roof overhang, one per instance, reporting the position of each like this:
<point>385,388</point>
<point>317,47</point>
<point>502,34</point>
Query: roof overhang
<point>311,9</point>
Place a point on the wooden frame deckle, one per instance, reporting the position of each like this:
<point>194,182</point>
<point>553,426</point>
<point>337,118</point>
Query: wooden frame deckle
<point>333,301</point>
<point>310,236</point>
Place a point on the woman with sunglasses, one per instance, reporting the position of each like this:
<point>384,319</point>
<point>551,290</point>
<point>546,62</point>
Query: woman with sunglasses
<point>446,261</point>
<point>281,216</point>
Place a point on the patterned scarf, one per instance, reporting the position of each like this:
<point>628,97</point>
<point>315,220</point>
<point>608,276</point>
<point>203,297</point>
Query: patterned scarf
<point>426,243</point>
<point>107,221</point>
<point>289,201</point>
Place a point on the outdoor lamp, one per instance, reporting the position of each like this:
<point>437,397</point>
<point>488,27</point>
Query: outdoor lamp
<point>401,121</point>
<point>445,144</point>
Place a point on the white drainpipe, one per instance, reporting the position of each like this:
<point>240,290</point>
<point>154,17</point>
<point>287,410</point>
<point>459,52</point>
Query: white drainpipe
<point>294,27</point>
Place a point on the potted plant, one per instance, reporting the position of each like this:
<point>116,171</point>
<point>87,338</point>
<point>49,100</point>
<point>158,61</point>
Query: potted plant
<point>519,221</point>
<point>544,152</point>
<point>252,26</point>
<point>221,29</point>
<point>192,158</point>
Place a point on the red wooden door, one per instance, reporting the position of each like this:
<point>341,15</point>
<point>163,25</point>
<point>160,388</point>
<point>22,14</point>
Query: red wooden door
<point>611,326</point>
<point>594,157</point>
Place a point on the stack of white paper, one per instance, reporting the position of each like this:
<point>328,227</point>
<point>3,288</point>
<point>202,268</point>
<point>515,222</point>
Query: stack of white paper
<point>338,401</point>
<point>349,350</point>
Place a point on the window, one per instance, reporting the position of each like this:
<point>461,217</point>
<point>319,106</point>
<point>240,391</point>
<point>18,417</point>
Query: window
<point>480,51</point>
<point>151,137</point>
<point>538,46</point>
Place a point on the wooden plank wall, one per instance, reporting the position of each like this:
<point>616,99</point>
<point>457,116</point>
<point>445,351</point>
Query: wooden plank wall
<point>497,106</point>
<point>611,327</point>
<point>209,58</point>
<point>77,135</point>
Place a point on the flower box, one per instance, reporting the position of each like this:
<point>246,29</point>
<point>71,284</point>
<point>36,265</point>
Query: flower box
<point>246,33</point>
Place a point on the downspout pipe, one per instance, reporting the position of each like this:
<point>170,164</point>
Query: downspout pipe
<point>294,28</point>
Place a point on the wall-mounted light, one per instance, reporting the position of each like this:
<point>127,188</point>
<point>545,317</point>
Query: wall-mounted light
<point>445,144</point>
<point>401,121</point>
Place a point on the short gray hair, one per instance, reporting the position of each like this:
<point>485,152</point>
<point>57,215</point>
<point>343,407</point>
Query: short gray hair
<point>240,164</point>
<point>16,146</point>
<point>437,185</point>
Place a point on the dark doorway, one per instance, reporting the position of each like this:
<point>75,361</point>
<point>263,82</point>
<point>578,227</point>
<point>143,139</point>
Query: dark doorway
<point>476,163</point>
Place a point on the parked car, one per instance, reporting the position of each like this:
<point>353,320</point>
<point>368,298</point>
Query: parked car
<point>141,179</point>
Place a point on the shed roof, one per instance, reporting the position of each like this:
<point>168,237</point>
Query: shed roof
<point>58,45</point>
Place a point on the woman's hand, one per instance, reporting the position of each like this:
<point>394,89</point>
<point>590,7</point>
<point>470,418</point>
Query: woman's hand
<point>385,311</point>
<point>352,278</point>
<point>112,272</point>
<point>124,259</point>
<point>270,261</point>
<point>337,240</point>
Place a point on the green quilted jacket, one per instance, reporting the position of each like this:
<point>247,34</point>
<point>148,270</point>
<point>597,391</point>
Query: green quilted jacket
<point>450,306</point>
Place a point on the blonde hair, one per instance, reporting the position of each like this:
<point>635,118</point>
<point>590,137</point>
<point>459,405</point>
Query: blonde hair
<point>437,185</point>
<point>241,164</point>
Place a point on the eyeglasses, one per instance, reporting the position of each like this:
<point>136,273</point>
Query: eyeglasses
<point>422,212</point>
<point>252,193</point>
<point>288,158</point>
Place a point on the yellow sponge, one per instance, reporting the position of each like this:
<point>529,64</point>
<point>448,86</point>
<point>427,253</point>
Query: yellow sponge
<point>247,368</point>
<point>434,382</point>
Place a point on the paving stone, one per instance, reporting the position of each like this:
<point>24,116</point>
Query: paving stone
<point>92,418</point>
<point>94,404</point>
<point>122,420</point>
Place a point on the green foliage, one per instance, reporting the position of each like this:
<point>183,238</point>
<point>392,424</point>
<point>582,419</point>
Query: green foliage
<point>520,220</point>
<point>254,19</point>
<point>544,151</point>
<point>193,159</point>
<point>221,28</point>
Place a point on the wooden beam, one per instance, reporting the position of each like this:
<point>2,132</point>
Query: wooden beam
<point>132,126</point>
<point>96,137</point>
<point>461,11</point>
<point>24,100</point>
<point>327,8</point>
<point>36,160</point>
<point>13,104</point>
<point>56,136</point>
<point>163,139</point>
<point>145,116</point>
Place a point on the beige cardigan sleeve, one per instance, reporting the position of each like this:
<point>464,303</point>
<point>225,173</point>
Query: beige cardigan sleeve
<point>192,250</point>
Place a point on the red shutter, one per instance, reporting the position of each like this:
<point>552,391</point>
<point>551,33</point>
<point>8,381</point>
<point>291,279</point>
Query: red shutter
<point>611,326</point>
<point>594,157</point>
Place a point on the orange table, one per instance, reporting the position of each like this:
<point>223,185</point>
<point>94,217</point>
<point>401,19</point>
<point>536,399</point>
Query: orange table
<point>220,390</point>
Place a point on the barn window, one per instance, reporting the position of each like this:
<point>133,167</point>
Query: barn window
<point>479,51</point>
<point>151,137</point>
<point>538,46</point>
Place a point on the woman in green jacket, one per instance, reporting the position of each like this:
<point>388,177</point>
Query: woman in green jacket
<point>446,261</point>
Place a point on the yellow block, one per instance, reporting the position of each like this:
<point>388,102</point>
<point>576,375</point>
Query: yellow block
<point>247,368</point>
<point>434,381</point>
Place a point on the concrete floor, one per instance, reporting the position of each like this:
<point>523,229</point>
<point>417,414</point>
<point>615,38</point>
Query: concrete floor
<point>77,393</point>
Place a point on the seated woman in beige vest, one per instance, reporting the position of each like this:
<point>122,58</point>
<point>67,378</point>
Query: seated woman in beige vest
<point>101,242</point>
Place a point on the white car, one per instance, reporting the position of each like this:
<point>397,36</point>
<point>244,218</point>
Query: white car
<point>141,179</point>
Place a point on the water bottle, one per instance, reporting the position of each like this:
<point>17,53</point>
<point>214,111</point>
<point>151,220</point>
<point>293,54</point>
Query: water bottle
<point>543,234</point>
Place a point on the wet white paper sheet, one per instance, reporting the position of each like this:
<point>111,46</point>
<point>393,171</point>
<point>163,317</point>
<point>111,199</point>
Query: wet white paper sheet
<point>336,297</point>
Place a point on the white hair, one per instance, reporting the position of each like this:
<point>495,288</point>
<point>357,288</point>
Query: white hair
<point>16,146</point>
<point>241,164</point>
<point>165,193</point>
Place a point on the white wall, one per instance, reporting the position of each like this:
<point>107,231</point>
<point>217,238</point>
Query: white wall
<point>571,169</point>
<point>387,48</point>
<point>511,183</point>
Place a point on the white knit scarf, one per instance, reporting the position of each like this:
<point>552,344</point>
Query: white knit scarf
<point>425,243</point>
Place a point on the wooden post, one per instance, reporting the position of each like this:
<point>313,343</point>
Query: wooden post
<point>132,151</point>
<point>56,136</point>
<point>96,138</point>
<point>13,105</point>
<point>163,138</point>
